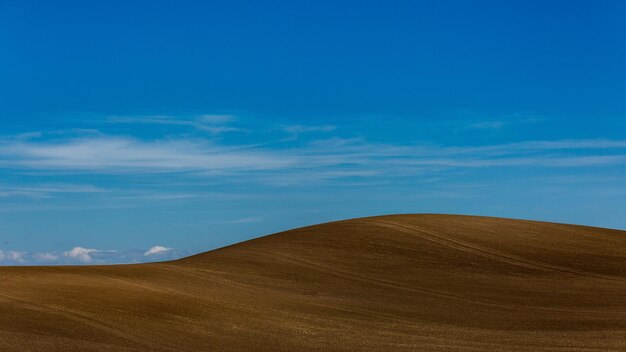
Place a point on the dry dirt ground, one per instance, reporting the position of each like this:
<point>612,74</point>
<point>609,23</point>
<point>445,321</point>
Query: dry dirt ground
<point>392,283</point>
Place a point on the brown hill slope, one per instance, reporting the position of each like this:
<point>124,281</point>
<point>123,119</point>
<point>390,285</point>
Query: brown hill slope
<point>392,283</point>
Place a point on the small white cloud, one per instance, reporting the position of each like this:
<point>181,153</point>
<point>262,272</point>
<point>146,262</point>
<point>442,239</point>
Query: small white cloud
<point>157,250</point>
<point>81,254</point>
<point>44,191</point>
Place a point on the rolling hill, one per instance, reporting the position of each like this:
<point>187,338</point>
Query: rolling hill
<point>389,283</point>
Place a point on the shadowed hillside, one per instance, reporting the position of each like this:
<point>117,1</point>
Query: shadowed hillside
<point>391,283</point>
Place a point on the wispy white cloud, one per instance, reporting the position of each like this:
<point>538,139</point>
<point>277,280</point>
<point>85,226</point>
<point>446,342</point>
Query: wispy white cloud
<point>119,155</point>
<point>46,190</point>
<point>318,159</point>
<point>332,158</point>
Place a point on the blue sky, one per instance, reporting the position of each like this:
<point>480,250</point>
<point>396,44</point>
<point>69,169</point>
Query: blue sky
<point>138,131</point>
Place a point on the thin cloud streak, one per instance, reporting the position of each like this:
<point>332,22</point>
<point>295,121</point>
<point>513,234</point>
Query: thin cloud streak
<point>331,158</point>
<point>45,191</point>
<point>297,129</point>
<point>213,124</point>
<point>127,155</point>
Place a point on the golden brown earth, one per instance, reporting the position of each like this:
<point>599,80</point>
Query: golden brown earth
<point>391,283</point>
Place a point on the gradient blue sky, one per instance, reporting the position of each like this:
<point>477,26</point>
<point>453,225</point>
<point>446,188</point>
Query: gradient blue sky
<point>146,130</point>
